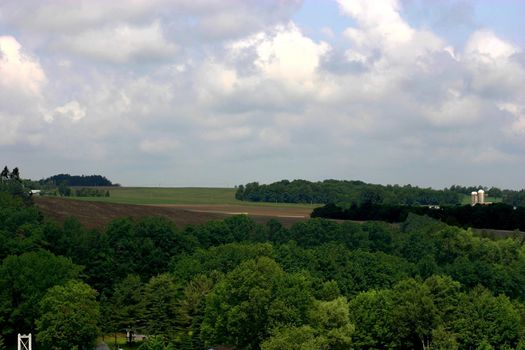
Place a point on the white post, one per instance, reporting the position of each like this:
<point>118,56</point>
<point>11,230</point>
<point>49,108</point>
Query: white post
<point>24,341</point>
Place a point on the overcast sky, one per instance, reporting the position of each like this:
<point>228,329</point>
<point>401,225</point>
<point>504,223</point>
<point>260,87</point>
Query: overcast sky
<point>224,92</point>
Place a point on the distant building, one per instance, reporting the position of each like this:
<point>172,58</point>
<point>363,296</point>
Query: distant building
<point>478,198</point>
<point>481,196</point>
<point>474,198</point>
<point>33,192</point>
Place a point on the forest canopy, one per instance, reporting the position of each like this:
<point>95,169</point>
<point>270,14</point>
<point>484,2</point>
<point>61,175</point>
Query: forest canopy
<point>497,216</point>
<point>77,180</point>
<point>359,192</point>
<point>319,284</point>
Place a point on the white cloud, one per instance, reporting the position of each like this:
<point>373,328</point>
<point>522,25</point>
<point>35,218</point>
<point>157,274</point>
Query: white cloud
<point>122,43</point>
<point>486,46</point>
<point>239,88</point>
<point>379,21</point>
<point>71,110</point>
<point>494,73</point>
<point>289,55</point>
<point>517,126</point>
<point>460,111</point>
<point>22,81</point>
<point>281,58</point>
<point>18,70</point>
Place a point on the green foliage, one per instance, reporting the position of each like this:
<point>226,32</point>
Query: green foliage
<point>144,247</point>
<point>20,226</point>
<point>443,339</point>
<point>159,304</point>
<point>126,304</point>
<point>253,299</point>
<point>514,198</point>
<point>68,317</point>
<point>24,279</point>
<point>485,317</point>
<point>190,313</point>
<point>156,342</point>
<point>354,271</point>
<point>90,192</point>
<point>494,216</point>
<point>12,184</point>
<point>328,327</point>
<point>415,314</point>
<point>75,180</point>
<point>314,232</point>
<point>332,320</point>
<point>484,345</point>
<point>63,189</point>
<point>2,344</point>
<point>372,314</point>
<point>222,258</point>
<point>295,338</point>
<point>237,283</point>
<point>334,191</point>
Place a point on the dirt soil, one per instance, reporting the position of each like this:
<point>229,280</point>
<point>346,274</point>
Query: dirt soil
<point>98,214</point>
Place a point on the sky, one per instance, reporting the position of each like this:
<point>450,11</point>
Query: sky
<point>224,92</point>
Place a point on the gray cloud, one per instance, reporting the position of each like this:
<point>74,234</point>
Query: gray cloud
<point>220,93</point>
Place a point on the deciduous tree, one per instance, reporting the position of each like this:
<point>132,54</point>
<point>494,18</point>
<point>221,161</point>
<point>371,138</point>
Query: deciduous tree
<point>68,318</point>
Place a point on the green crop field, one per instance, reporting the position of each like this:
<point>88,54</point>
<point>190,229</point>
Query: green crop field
<point>179,196</point>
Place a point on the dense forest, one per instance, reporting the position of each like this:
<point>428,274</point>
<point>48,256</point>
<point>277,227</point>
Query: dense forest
<point>494,216</point>
<point>358,192</point>
<point>317,285</point>
<point>76,180</point>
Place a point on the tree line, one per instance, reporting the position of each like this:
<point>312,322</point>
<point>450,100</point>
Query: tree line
<point>76,180</point>
<point>358,192</point>
<point>497,216</point>
<point>317,285</point>
<point>12,183</point>
<point>65,191</point>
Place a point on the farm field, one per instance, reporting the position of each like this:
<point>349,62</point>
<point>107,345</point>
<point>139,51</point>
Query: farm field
<point>181,195</point>
<point>97,214</point>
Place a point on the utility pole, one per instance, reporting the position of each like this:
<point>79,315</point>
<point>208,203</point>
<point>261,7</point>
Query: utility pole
<point>24,341</point>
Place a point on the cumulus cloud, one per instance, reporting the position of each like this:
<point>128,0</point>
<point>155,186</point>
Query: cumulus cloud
<point>487,47</point>
<point>22,80</point>
<point>380,23</point>
<point>208,90</point>
<point>286,55</point>
<point>267,70</point>
<point>18,70</point>
<point>71,110</point>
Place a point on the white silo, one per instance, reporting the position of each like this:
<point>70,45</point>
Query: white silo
<point>481,196</point>
<point>474,198</point>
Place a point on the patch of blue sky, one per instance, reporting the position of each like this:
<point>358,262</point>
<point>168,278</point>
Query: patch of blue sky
<point>319,18</point>
<point>453,20</point>
<point>505,17</point>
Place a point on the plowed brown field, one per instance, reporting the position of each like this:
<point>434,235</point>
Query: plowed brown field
<point>99,214</point>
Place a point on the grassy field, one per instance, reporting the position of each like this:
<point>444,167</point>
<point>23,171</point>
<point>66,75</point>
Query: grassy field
<point>180,196</point>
